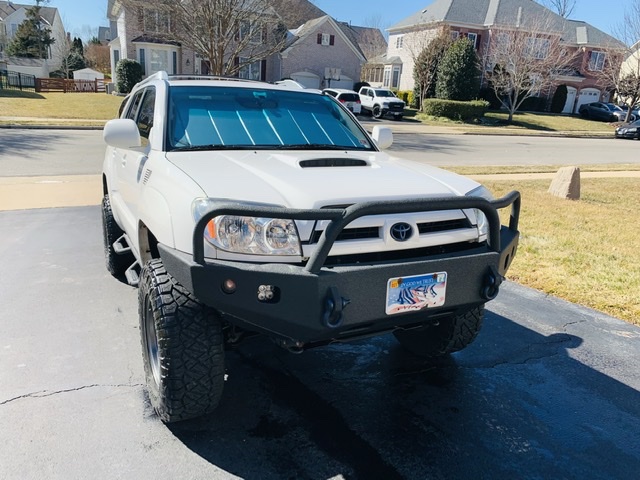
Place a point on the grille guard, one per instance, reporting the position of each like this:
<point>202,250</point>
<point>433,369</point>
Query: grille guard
<point>340,218</point>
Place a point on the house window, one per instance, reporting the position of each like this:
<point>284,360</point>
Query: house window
<point>250,71</point>
<point>252,31</point>
<point>454,35</point>
<point>399,42</point>
<point>116,57</point>
<point>326,39</point>
<point>537,47</point>
<point>474,39</point>
<point>174,61</point>
<point>596,61</point>
<point>395,79</point>
<point>142,60</point>
<point>158,60</point>
<point>386,79</point>
<point>156,21</point>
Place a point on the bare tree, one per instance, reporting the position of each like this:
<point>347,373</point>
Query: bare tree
<point>98,57</point>
<point>564,8</point>
<point>231,35</point>
<point>524,61</point>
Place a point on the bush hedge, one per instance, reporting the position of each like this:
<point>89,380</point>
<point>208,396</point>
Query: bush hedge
<point>128,73</point>
<point>454,109</point>
<point>406,95</point>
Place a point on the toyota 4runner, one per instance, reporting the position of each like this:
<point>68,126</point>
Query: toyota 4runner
<point>240,207</point>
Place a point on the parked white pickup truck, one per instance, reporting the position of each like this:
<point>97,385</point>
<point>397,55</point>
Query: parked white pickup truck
<point>240,207</point>
<point>380,102</point>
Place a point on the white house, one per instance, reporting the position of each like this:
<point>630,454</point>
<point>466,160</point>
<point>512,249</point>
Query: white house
<point>11,16</point>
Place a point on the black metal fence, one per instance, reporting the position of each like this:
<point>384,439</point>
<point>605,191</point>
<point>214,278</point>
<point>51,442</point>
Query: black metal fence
<point>17,81</point>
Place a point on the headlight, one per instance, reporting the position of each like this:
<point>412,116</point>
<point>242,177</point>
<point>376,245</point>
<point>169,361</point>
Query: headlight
<point>481,219</point>
<point>249,235</point>
<point>385,104</point>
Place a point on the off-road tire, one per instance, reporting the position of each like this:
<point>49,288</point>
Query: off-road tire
<point>116,263</point>
<point>182,347</point>
<point>377,111</point>
<point>450,335</point>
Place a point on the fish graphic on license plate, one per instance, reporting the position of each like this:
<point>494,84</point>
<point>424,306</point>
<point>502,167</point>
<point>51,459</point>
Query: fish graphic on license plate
<point>406,294</point>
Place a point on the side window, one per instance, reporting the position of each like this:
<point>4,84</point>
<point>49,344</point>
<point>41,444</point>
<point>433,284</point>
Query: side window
<point>333,94</point>
<point>122,105</point>
<point>145,115</point>
<point>133,107</point>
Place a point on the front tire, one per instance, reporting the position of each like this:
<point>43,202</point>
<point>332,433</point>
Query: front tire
<point>116,264</point>
<point>182,347</point>
<point>448,336</point>
<point>377,111</point>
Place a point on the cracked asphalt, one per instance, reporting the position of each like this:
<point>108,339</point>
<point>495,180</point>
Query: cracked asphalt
<point>549,390</point>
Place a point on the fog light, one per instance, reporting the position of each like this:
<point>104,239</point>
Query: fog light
<point>266,293</point>
<point>228,286</point>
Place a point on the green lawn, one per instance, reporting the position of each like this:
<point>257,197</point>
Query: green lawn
<point>74,106</point>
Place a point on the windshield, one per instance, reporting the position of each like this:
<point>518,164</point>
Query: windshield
<point>211,118</point>
<point>385,93</point>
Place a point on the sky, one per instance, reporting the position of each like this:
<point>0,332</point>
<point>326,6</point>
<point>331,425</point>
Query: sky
<point>83,17</point>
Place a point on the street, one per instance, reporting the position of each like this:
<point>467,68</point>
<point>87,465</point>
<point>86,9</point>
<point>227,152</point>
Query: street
<point>548,390</point>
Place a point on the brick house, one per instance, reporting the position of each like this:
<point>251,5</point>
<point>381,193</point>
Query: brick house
<point>322,53</point>
<point>318,52</point>
<point>479,20</point>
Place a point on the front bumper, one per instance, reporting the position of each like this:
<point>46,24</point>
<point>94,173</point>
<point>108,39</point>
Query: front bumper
<point>314,303</point>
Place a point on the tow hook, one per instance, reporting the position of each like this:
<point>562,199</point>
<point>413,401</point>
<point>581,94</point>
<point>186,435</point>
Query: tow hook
<point>334,305</point>
<point>492,282</point>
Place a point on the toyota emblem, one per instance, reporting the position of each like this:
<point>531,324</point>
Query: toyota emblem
<point>401,232</point>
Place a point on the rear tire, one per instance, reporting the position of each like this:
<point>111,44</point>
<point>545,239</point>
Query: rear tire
<point>448,336</point>
<point>182,347</point>
<point>116,264</point>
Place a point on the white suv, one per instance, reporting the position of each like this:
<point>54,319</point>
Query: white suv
<point>348,98</point>
<point>380,102</point>
<point>240,207</point>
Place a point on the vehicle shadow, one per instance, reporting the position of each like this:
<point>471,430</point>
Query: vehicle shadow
<point>515,404</point>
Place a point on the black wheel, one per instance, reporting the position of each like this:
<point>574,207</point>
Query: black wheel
<point>377,111</point>
<point>182,347</point>
<point>116,264</point>
<point>448,336</point>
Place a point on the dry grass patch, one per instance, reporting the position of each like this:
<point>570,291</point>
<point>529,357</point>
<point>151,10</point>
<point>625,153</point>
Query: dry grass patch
<point>584,251</point>
<point>508,169</point>
<point>98,106</point>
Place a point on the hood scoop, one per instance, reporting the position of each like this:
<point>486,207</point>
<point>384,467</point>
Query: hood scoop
<point>333,162</point>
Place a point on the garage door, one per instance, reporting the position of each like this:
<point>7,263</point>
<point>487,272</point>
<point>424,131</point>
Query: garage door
<point>587,95</point>
<point>344,82</point>
<point>307,79</point>
<point>571,99</point>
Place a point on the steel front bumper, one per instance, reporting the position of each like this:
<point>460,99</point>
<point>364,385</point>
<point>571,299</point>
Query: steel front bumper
<point>315,303</point>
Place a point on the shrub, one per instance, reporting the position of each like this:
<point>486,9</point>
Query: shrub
<point>559,99</point>
<point>533,104</point>
<point>406,95</point>
<point>455,110</point>
<point>459,72</point>
<point>128,73</point>
<point>489,94</point>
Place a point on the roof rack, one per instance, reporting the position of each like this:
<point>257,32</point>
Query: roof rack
<point>187,76</point>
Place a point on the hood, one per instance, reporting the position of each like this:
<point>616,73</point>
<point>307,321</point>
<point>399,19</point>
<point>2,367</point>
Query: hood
<point>304,180</point>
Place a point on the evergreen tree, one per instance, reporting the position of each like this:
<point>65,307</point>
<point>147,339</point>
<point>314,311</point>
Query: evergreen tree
<point>458,72</point>
<point>32,39</point>
<point>425,72</point>
<point>559,99</point>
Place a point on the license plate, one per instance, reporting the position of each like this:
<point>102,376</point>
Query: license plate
<point>407,294</point>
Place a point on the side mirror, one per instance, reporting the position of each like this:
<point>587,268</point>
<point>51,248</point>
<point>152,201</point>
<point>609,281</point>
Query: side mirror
<point>121,133</point>
<point>383,136</point>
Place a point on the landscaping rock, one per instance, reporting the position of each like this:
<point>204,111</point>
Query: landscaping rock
<point>566,183</point>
